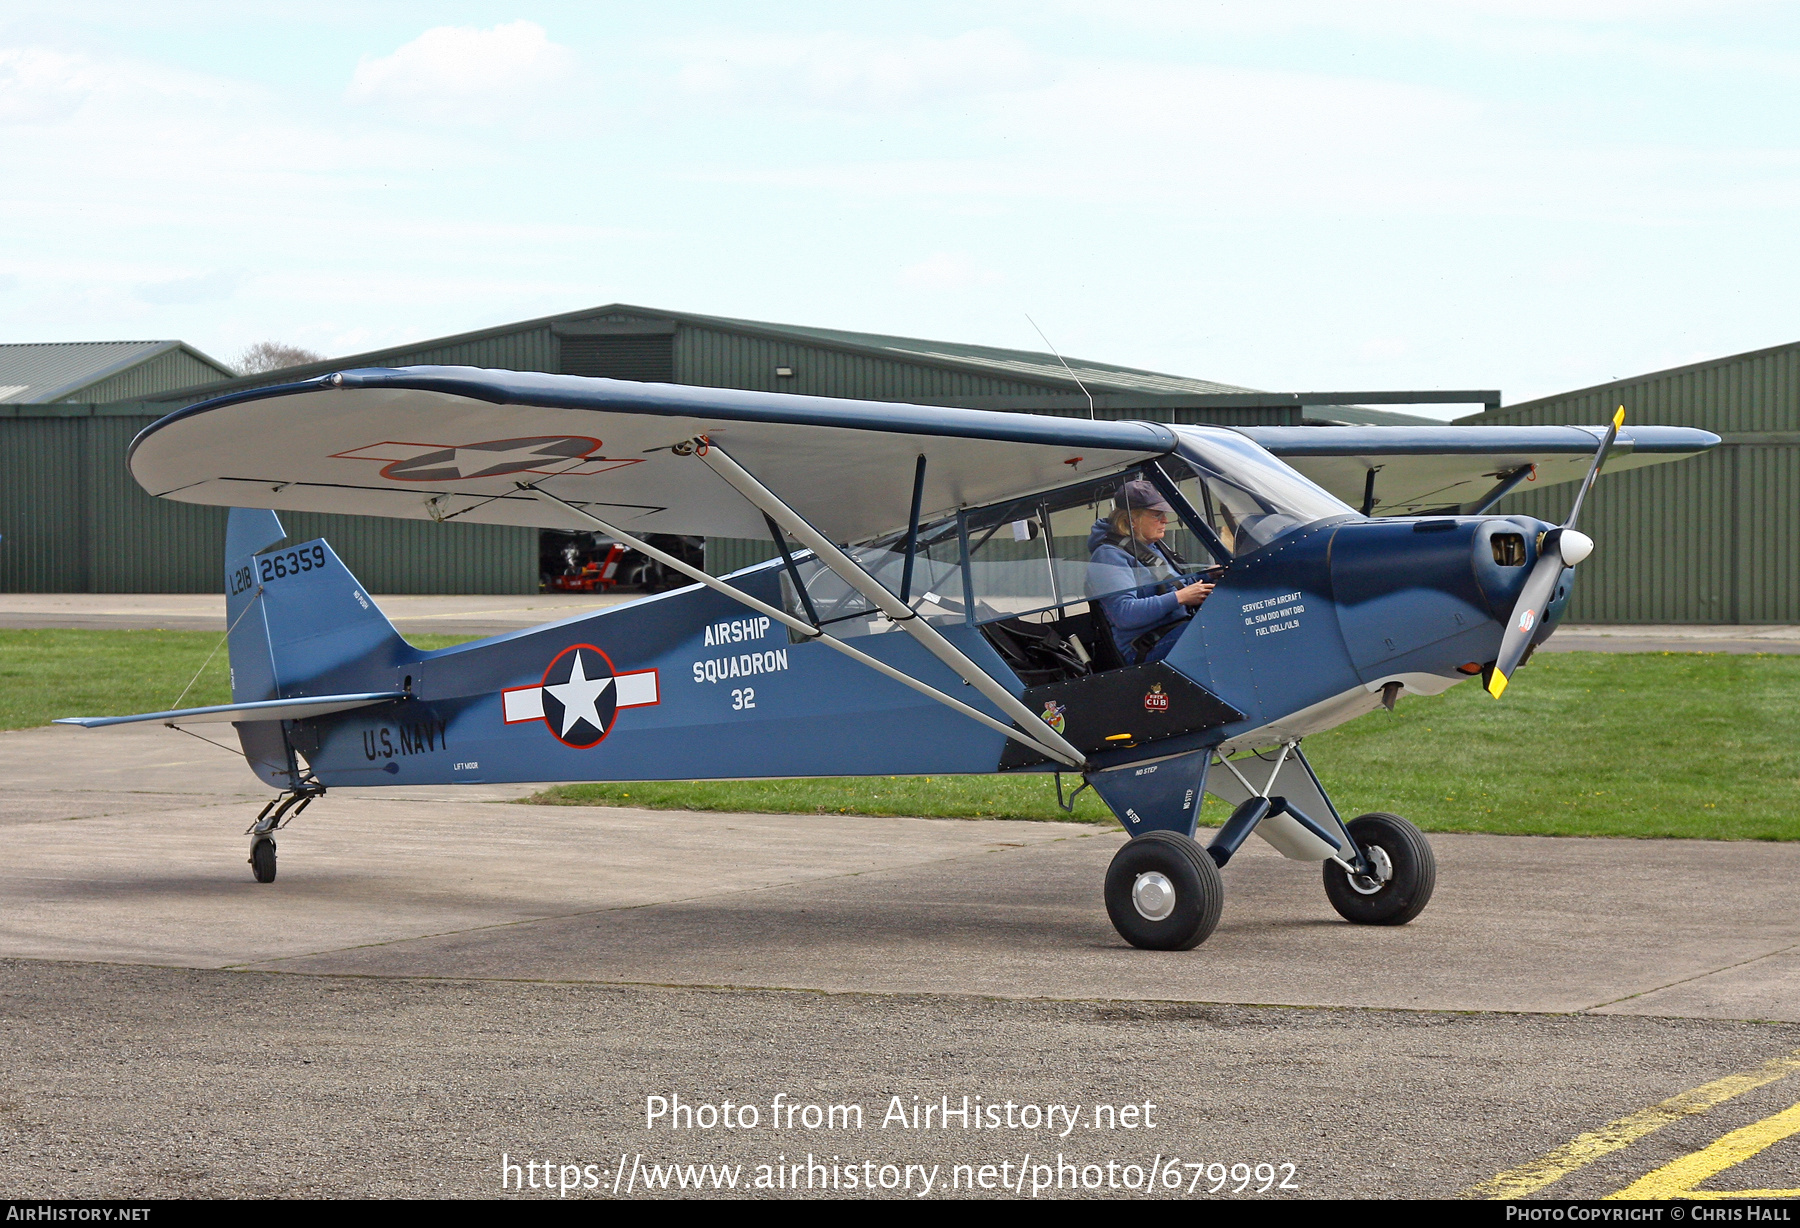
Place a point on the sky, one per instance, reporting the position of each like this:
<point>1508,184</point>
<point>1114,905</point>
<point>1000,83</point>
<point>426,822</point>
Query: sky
<point>1530,195</point>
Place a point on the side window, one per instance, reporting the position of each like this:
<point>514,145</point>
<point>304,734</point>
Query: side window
<point>1009,561</point>
<point>1082,517</point>
<point>1038,554</point>
<point>1078,522</point>
<point>937,588</point>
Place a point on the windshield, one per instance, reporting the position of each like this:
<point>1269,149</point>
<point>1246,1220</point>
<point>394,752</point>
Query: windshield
<point>1248,496</point>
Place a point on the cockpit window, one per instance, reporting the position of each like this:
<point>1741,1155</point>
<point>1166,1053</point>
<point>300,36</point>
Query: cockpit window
<point>1248,496</point>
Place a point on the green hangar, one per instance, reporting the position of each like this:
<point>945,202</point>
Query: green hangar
<point>72,520</point>
<point>1715,539</point>
<point>1708,541</point>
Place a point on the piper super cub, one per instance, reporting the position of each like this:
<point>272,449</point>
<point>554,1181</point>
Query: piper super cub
<point>1165,611</point>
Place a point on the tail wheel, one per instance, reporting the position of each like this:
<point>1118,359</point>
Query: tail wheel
<point>1163,892</point>
<point>262,861</point>
<point>1405,871</point>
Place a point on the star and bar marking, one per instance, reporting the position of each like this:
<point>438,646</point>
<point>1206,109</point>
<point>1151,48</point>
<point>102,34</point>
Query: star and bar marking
<point>564,455</point>
<point>579,696</point>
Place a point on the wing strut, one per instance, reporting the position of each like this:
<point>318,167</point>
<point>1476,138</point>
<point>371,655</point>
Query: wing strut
<point>1060,751</point>
<point>902,615</point>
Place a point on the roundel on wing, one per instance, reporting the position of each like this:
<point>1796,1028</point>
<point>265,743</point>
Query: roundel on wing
<point>492,458</point>
<point>580,697</point>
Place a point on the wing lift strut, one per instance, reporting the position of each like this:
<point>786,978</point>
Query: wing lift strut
<point>785,521</point>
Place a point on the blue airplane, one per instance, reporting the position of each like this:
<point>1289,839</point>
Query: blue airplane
<point>1164,611</point>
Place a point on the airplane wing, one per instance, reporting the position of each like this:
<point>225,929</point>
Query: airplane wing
<point>452,443</point>
<point>1420,469</point>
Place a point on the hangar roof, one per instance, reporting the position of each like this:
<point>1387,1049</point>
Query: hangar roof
<point>1025,364</point>
<point>1753,393</point>
<point>36,373</point>
<point>1043,370</point>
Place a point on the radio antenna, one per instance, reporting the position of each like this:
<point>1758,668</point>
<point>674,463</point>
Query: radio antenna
<point>1066,367</point>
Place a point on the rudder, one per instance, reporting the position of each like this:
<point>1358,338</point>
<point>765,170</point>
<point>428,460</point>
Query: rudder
<point>300,624</point>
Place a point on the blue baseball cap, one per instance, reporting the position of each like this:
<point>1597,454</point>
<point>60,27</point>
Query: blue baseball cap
<point>1141,496</point>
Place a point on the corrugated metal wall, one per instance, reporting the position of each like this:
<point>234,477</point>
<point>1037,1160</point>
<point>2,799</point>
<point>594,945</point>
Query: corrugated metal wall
<point>72,520</point>
<point>527,350</point>
<point>1708,540</point>
<point>717,359</point>
<point>174,369</point>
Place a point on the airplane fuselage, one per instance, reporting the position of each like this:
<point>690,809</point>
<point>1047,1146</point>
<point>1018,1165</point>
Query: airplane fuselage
<point>1299,636</point>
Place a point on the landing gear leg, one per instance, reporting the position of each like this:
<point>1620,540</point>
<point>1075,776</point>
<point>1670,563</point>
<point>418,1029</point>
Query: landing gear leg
<point>275,816</point>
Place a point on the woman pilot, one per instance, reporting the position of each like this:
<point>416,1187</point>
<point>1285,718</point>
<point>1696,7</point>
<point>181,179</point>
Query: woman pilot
<point>1145,597</point>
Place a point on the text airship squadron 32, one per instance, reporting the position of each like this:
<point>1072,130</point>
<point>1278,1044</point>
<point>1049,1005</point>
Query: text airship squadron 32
<point>1164,610</point>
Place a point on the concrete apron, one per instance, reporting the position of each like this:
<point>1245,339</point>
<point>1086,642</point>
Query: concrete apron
<point>125,845</point>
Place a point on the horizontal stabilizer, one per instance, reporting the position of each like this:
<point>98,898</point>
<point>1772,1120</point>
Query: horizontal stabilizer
<point>262,710</point>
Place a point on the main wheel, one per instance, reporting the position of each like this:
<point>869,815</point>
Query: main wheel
<point>1163,892</point>
<point>1405,873</point>
<point>262,861</point>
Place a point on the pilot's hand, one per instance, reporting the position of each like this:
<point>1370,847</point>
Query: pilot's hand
<point>1194,595</point>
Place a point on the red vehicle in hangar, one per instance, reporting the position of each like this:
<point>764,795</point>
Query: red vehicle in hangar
<point>596,563</point>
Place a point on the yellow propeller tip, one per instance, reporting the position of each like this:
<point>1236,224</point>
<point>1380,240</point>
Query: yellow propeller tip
<point>1497,684</point>
<point>1619,418</point>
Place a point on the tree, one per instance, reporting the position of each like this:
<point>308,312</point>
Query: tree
<point>273,356</point>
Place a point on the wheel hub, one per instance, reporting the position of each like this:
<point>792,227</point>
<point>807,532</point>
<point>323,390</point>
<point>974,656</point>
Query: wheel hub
<point>1153,895</point>
<point>1381,863</point>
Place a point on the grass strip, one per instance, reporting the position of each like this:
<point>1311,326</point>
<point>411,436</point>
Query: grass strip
<point>1699,745</point>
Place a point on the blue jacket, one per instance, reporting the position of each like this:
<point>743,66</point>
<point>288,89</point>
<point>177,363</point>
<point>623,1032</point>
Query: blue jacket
<point>1134,600</point>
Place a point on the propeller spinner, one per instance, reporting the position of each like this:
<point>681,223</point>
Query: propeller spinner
<point>1562,547</point>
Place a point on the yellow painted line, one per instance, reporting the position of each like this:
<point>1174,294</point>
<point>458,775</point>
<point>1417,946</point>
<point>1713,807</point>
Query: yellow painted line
<point>1616,1135</point>
<point>1677,1180</point>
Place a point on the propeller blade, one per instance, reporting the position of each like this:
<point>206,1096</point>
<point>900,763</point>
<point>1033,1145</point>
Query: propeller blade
<point>1562,547</point>
<point>1528,611</point>
<point>1587,483</point>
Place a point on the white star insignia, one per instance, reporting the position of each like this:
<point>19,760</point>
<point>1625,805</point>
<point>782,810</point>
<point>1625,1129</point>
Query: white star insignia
<point>577,697</point>
<point>478,460</point>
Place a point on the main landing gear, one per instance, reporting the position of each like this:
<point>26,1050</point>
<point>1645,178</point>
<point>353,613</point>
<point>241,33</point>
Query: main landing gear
<point>1164,891</point>
<point>1403,871</point>
<point>275,816</point>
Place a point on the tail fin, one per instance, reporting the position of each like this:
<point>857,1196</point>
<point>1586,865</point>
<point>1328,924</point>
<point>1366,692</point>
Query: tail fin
<point>300,625</point>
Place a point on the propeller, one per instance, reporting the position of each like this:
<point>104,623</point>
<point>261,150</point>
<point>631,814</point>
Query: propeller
<point>1562,547</point>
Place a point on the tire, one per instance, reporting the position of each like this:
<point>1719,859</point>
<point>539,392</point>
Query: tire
<point>1406,893</point>
<point>1198,890</point>
<point>262,861</point>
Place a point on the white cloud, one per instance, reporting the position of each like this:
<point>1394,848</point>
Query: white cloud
<point>464,74</point>
<point>851,73</point>
<point>41,87</point>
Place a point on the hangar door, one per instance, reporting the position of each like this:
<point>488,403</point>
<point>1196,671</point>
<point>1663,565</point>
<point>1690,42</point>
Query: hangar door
<point>643,351</point>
